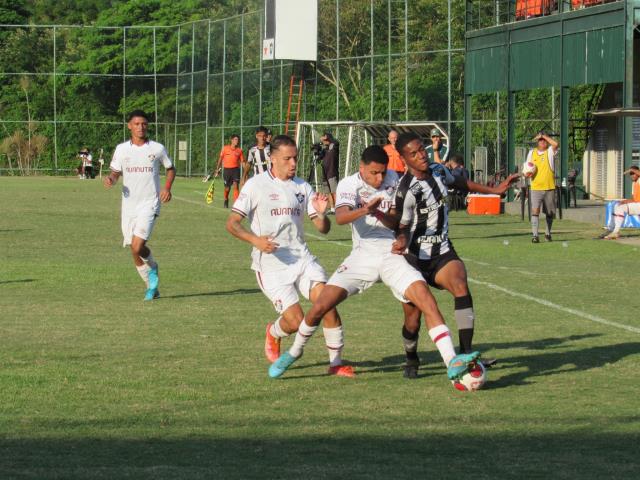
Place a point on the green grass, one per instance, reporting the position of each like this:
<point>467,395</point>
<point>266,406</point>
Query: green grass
<point>94,383</point>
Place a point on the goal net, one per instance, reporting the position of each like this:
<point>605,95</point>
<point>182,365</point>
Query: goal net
<point>353,138</point>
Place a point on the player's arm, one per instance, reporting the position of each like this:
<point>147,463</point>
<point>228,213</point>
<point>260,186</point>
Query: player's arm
<point>245,167</point>
<point>165,193</point>
<point>320,203</point>
<point>219,165</point>
<point>111,179</point>
<point>500,189</point>
<point>234,227</point>
<point>406,206</point>
<point>402,240</point>
<point>347,214</point>
<point>551,142</point>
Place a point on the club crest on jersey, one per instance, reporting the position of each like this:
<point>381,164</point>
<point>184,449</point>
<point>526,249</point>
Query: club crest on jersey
<point>341,268</point>
<point>390,190</point>
<point>300,197</point>
<point>274,197</point>
<point>151,157</point>
<point>278,305</point>
<point>416,188</point>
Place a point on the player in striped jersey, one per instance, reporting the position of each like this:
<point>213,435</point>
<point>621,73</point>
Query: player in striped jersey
<point>366,201</point>
<point>424,235</point>
<point>275,203</point>
<point>258,156</point>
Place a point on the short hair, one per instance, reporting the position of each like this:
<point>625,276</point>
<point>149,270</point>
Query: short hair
<point>456,157</point>
<point>405,139</point>
<point>282,141</point>
<point>234,135</point>
<point>137,113</point>
<point>374,153</point>
<point>262,129</point>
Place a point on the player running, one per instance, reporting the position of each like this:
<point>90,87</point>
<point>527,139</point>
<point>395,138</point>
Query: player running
<point>424,229</point>
<point>275,202</point>
<point>138,162</point>
<point>366,201</point>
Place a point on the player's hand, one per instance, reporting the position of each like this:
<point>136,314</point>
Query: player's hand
<point>399,246</point>
<point>165,195</point>
<point>506,184</point>
<point>265,244</point>
<point>436,143</point>
<point>320,202</point>
<point>108,181</point>
<point>373,205</point>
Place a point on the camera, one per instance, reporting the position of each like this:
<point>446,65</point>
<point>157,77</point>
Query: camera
<point>318,151</point>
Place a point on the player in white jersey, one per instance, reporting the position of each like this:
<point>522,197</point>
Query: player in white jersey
<point>275,202</point>
<point>138,162</point>
<point>424,233</point>
<point>366,201</point>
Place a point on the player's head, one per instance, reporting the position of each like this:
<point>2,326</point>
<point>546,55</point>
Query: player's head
<point>327,138</point>
<point>373,165</point>
<point>435,134</point>
<point>284,157</point>
<point>269,136</point>
<point>234,139</point>
<point>455,161</point>
<point>392,137</point>
<point>261,135</point>
<point>411,148</point>
<point>138,124</point>
<point>634,173</point>
<point>542,142</point>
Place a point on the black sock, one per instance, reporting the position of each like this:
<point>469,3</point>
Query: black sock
<point>410,341</point>
<point>465,318</point>
<point>466,337</point>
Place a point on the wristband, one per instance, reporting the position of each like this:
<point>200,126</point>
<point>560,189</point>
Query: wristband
<point>167,185</point>
<point>379,215</point>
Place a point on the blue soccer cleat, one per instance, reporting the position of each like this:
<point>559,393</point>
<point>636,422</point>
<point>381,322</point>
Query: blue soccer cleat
<point>459,365</point>
<point>151,294</point>
<point>281,365</point>
<point>154,279</point>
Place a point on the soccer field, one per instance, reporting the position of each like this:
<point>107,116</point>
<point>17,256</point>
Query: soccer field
<point>95,383</point>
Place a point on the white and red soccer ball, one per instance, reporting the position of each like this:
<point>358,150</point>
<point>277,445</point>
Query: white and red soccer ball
<point>529,169</point>
<point>473,380</point>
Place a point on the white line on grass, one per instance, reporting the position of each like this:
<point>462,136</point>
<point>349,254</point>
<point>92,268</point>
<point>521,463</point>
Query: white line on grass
<point>493,286</point>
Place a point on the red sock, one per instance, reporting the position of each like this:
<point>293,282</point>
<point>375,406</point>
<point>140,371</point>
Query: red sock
<point>236,192</point>
<point>226,194</point>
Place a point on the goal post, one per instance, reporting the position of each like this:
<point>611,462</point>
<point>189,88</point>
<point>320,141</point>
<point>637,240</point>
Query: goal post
<point>353,137</point>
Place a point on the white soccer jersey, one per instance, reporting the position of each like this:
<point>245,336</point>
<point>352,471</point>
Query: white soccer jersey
<point>368,232</point>
<point>275,208</point>
<point>140,169</point>
<point>87,160</point>
<point>260,160</point>
<point>424,208</point>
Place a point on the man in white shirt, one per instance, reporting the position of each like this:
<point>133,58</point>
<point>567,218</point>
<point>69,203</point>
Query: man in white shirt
<point>275,203</point>
<point>366,201</point>
<point>138,162</point>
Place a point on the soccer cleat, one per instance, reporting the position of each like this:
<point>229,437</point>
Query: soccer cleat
<point>459,365</point>
<point>535,239</point>
<point>411,369</point>
<point>488,362</point>
<point>226,203</point>
<point>151,294</point>
<point>281,365</point>
<point>612,236</point>
<point>547,237</point>
<point>271,345</point>
<point>342,371</point>
<point>154,279</point>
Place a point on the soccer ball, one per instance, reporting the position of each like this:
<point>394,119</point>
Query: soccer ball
<point>529,169</point>
<point>473,380</point>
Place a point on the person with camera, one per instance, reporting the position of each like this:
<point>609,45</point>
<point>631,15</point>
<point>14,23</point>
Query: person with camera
<point>543,183</point>
<point>86,163</point>
<point>330,166</point>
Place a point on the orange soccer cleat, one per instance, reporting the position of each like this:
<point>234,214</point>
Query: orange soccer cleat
<point>271,345</point>
<point>342,371</point>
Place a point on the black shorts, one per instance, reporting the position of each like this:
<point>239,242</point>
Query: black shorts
<point>430,268</point>
<point>231,176</point>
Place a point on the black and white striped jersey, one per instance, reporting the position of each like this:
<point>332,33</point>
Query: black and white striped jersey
<point>424,210</point>
<point>259,159</point>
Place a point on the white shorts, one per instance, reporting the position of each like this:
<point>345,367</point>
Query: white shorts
<point>631,208</point>
<point>282,286</point>
<point>362,269</point>
<point>139,225</point>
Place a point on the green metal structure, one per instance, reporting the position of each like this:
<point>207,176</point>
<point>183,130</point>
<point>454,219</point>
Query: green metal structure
<point>570,47</point>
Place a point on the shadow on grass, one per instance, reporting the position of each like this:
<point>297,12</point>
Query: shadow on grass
<point>238,291</point>
<point>24,280</point>
<point>283,455</point>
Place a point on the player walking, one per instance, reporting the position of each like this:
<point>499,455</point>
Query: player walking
<point>258,156</point>
<point>543,184</point>
<point>424,229</point>
<point>366,201</point>
<point>231,157</point>
<point>275,203</point>
<point>138,162</point>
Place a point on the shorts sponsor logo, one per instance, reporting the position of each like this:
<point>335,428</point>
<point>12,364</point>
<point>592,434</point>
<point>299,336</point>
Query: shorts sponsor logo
<point>300,197</point>
<point>342,268</point>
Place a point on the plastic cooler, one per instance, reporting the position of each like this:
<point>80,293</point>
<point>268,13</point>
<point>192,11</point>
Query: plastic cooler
<point>478,204</point>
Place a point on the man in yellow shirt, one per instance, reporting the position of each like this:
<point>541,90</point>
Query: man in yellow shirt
<point>543,184</point>
<point>628,207</point>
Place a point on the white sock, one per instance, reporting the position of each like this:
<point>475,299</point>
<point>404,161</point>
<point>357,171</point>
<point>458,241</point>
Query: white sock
<point>441,336</point>
<point>618,217</point>
<point>143,271</point>
<point>334,338</point>
<point>276,330</point>
<point>302,337</point>
<point>150,260</point>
